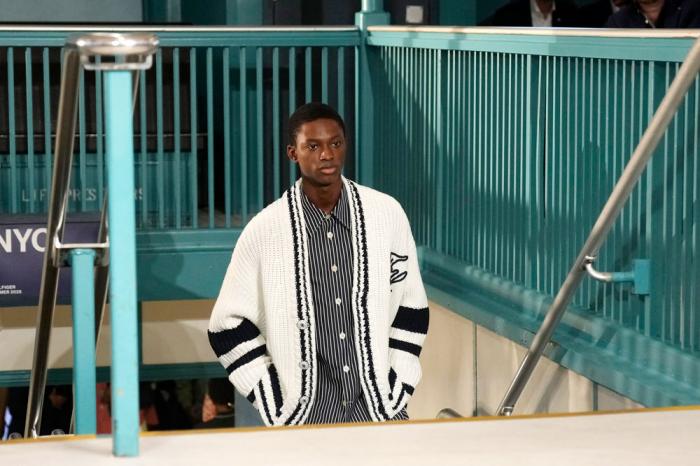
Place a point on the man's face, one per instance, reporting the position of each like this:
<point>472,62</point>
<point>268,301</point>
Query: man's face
<point>319,150</point>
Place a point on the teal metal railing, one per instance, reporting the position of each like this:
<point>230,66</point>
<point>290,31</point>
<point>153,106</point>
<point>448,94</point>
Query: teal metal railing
<point>504,145</point>
<point>210,119</point>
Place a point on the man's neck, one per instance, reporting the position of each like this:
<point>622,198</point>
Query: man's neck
<point>545,6</point>
<point>323,197</point>
<point>651,9</point>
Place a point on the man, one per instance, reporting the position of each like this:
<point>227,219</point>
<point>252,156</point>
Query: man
<point>322,313</point>
<point>596,14</point>
<point>658,14</point>
<point>537,13</point>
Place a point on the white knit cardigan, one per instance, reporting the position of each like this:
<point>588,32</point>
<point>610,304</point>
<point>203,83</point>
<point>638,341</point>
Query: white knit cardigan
<point>262,327</point>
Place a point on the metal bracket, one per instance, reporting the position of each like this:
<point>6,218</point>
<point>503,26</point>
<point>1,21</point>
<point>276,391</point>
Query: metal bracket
<point>639,276</point>
<point>62,252</point>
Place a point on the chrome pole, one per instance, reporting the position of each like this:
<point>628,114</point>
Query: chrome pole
<point>634,169</point>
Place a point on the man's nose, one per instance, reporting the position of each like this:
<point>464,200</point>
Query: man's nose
<point>327,153</point>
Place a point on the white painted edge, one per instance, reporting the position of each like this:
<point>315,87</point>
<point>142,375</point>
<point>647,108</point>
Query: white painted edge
<point>548,32</point>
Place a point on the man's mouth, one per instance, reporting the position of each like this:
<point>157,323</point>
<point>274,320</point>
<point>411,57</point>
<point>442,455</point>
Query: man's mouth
<point>328,170</point>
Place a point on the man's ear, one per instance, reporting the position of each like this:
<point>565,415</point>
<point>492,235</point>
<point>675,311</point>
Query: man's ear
<point>292,153</point>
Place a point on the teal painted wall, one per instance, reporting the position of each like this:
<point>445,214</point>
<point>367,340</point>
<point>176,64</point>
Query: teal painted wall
<point>54,11</point>
<point>458,12</point>
<point>217,12</point>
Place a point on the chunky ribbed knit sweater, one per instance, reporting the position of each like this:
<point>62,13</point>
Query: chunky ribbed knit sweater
<point>262,327</point>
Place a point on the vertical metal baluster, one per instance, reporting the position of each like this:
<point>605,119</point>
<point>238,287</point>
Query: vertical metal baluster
<point>29,89</point>
<point>82,182</point>
<point>243,177</point>
<point>160,140</point>
<point>324,75</point>
<point>210,138</point>
<point>226,70</point>
<point>276,121</point>
<point>177,155</point>
<point>48,165</point>
<point>143,120</point>
<point>292,102</point>
<point>260,127</point>
<point>99,142</point>
<point>341,82</point>
<point>307,74</point>
<point>14,202</point>
<point>194,194</point>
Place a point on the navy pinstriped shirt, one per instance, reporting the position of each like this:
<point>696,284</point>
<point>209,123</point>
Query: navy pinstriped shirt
<point>339,396</point>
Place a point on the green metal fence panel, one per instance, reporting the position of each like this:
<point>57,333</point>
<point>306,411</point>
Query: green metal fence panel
<point>504,159</point>
<point>210,119</point>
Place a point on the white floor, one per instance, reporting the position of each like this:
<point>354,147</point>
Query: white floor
<point>634,438</point>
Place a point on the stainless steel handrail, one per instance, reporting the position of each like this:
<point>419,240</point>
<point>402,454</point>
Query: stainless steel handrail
<point>448,413</point>
<point>78,50</point>
<point>634,169</point>
<point>63,155</point>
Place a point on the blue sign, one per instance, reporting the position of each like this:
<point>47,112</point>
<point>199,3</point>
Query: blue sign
<point>22,247</point>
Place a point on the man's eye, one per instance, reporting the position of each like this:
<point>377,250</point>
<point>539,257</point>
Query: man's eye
<point>336,144</point>
<point>312,146</point>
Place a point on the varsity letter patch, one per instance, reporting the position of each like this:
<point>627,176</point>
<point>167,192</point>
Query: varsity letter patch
<point>398,267</point>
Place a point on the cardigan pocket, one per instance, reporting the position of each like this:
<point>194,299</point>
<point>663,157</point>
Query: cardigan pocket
<point>399,394</point>
<point>268,394</point>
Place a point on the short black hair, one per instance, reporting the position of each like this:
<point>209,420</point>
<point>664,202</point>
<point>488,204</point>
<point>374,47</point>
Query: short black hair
<point>221,392</point>
<point>311,112</point>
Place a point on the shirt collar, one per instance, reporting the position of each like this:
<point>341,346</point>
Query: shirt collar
<point>315,217</point>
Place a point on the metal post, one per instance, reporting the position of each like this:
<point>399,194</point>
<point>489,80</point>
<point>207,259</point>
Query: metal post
<point>634,169</point>
<point>82,262</point>
<point>122,286</point>
<point>371,6</point>
<point>371,14</point>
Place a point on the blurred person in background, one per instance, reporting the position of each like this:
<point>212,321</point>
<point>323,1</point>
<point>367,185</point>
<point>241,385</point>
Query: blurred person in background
<point>535,13</point>
<point>218,406</point>
<point>596,14</point>
<point>657,14</point>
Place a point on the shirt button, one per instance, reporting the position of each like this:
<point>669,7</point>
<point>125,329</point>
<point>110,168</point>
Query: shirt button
<point>342,335</point>
<point>330,235</point>
<point>304,365</point>
<point>303,400</point>
<point>345,403</point>
<point>334,268</point>
<point>338,301</point>
<point>302,325</point>
<point>346,368</point>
